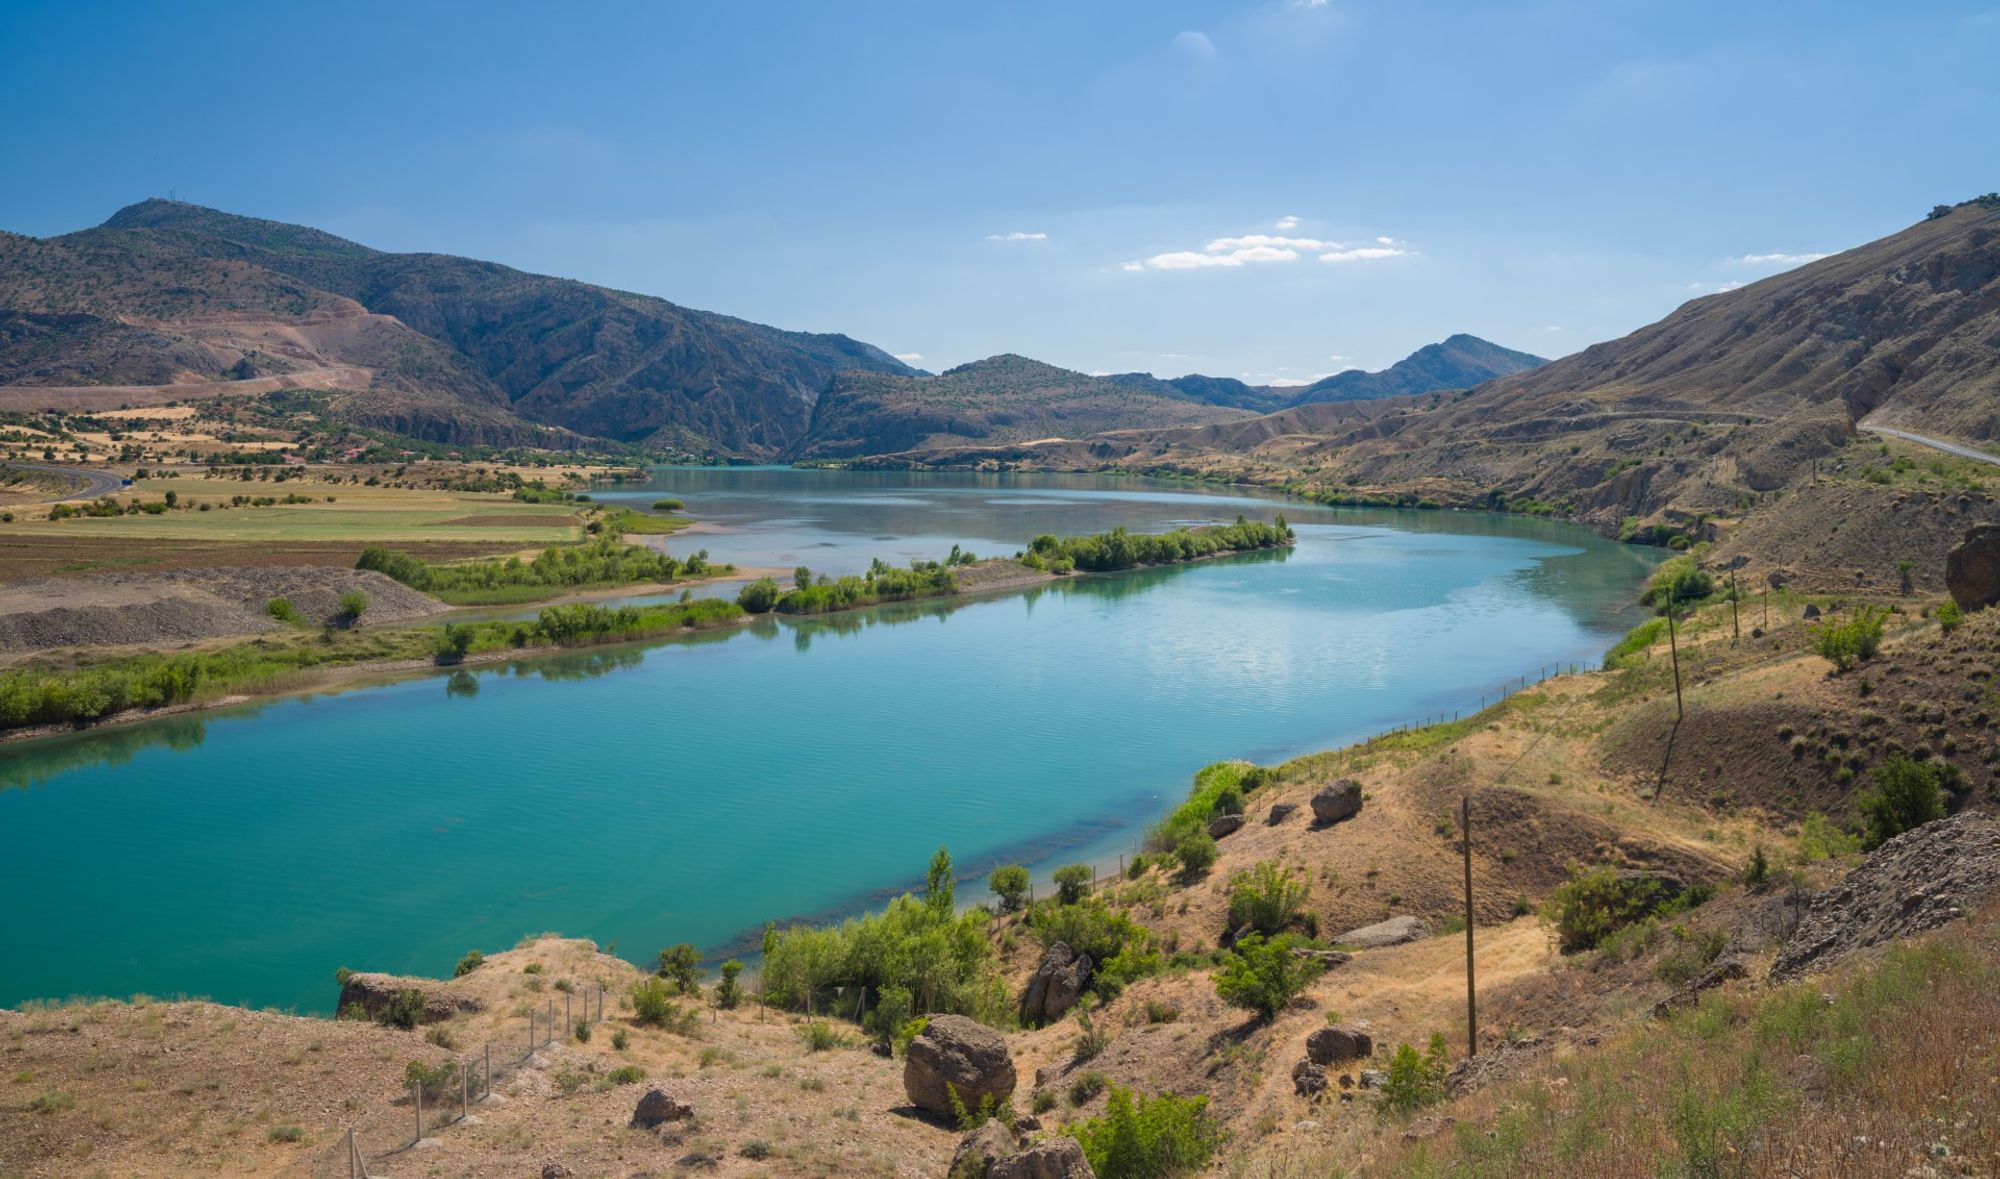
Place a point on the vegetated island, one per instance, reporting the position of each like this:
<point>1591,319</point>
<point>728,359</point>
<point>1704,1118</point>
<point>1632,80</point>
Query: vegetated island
<point>44,696</point>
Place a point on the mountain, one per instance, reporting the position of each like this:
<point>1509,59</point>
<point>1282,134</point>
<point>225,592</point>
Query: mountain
<point>432,345</point>
<point>1223,391</point>
<point>1460,362</point>
<point>1000,400</point>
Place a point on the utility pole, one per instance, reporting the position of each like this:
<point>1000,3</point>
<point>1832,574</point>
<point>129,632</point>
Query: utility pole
<point>1471,993</point>
<point>1735,623</point>
<point>1674,649</point>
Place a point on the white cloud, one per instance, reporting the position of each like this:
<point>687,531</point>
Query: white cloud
<point>1554,327</point>
<point>1776,259</point>
<point>1363,254</point>
<point>1017,236</point>
<point>1288,222</point>
<point>1337,357</point>
<point>1266,247</point>
<point>909,357</point>
<point>1195,45</point>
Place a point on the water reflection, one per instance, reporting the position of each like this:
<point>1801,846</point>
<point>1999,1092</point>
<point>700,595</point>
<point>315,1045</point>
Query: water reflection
<point>26,766</point>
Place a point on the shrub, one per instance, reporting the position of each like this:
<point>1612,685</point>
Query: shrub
<point>627,1074</point>
<point>1091,1040</point>
<point>1594,902</point>
<point>818,1035</point>
<point>455,639</point>
<point>1758,872</point>
<point>51,1101</point>
<point>1197,854</point>
<point>1229,801</point>
<point>1906,795</point>
<point>1009,882</point>
<point>472,961</point>
<point>756,1148</point>
<point>286,1134</point>
<point>652,1006</point>
<point>1072,882</point>
<point>403,1010</point>
<point>759,597</point>
<point>1692,954</point>
<point>1267,898</point>
<point>581,1030</point>
<point>282,610</point>
<point>729,992</point>
<point>1845,644</point>
<point>1086,1087</point>
<point>893,1010</point>
<point>1088,927</point>
<point>1150,1138</point>
<point>1948,616</point>
<point>1678,580</point>
<point>678,964</point>
<point>1416,1079</point>
<point>353,604</point>
<point>1264,976</point>
<point>668,505</point>
<point>1819,839</point>
<point>433,1081</point>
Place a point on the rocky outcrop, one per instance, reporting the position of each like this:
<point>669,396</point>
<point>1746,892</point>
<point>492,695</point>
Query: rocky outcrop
<point>980,1149</point>
<point>1393,932</point>
<point>1972,569</point>
<point>958,1056</point>
<point>1222,825</point>
<point>657,1108</point>
<point>1051,1158</point>
<point>1918,881</point>
<point>1338,1045</point>
<point>1280,811</point>
<point>1309,1079</point>
<point>1058,982</point>
<point>1337,801</point>
<point>381,997</point>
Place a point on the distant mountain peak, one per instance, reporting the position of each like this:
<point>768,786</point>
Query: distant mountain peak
<point>275,236</point>
<point>1459,361</point>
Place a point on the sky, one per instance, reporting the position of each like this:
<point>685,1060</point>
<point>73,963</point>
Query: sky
<point>1272,190</point>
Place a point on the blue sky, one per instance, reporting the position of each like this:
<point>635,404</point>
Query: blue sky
<point>1269,190</point>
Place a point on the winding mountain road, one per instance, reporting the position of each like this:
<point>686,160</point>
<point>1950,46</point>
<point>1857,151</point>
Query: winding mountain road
<point>96,483</point>
<point>1956,448</point>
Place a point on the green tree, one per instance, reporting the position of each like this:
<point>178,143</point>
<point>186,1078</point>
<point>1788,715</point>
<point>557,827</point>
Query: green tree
<point>1009,882</point>
<point>1845,644</point>
<point>1906,795</point>
<point>472,961</point>
<point>1150,1138</point>
<point>940,891</point>
<point>1197,853</point>
<point>1072,881</point>
<point>1263,976</point>
<point>760,596</point>
<point>678,964</point>
<point>729,992</point>
<point>802,578</point>
<point>353,604</point>
<point>1416,1079</point>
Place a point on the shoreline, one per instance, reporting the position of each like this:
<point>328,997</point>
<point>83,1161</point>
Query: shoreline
<point>346,676</point>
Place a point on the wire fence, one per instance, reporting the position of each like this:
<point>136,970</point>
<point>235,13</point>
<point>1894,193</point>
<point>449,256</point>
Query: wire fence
<point>392,1136</point>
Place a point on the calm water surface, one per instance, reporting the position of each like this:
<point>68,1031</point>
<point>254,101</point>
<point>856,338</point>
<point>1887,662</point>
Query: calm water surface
<point>688,790</point>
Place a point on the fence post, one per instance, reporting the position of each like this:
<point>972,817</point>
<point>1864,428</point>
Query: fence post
<point>1471,994</point>
<point>569,1018</point>
<point>552,1021</point>
<point>464,1092</point>
<point>486,1075</point>
<point>417,1091</point>
<point>531,1033</point>
<point>1673,647</point>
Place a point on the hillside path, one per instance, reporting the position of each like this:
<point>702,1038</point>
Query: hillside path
<point>96,482</point>
<point>1956,448</point>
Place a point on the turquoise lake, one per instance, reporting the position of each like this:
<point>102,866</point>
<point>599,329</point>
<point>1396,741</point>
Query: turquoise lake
<point>689,790</point>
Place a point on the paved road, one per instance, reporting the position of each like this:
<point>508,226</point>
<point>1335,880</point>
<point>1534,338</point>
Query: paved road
<point>1937,444</point>
<point>99,482</point>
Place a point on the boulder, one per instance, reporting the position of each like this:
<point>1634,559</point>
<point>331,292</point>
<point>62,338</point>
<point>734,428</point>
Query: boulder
<point>979,1150</point>
<point>1373,1078</point>
<point>1338,1045</point>
<point>1223,825</point>
<point>376,993</point>
<point>1056,985</point>
<point>1393,932</point>
<point>1972,568</point>
<point>1280,811</point>
<point>1778,578</point>
<point>1810,612</point>
<point>1341,800</point>
<point>1308,1079</point>
<point>1051,1158</point>
<point>1327,959</point>
<point>956,1055</point>
<point>658,1107</point>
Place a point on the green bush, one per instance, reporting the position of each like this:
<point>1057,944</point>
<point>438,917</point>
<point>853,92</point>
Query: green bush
<point>1845,644</point>
<point>1906,795</point>
<point>472,961</point>
<point>729,992</point>
<point>1119,549</point>
<point>1089,927</point>
<point>678,964</point>
<point>759,597</point>
<point>1086,1087</point>
<point>580,1028</point>
<point>668,505</point>
<point>1197,853</point>
<point>1211,783</point>
<point>1264,976</point>
<point>1091,1040</point>
<point>1150,1138</point>
<point>433,1081</point>
<point>1072,882</point>
<point>1948,616</point>
<point>1679,580</point>
<point>282,610</point>
<point>353,604</point>
<point>1819,839</point>
<point>818,1035</point>
<point>653,1006</point>
<point>1594,903</point>
<point>285,1134</point>
<point>1009,882</point>
<point>1635,644</point>
<point>405,1009</point>
<point>626,1074</point>
<point>1267,898</point>
<point>1416,1079</point>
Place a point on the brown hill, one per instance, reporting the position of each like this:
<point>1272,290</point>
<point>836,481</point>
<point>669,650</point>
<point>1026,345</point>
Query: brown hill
<point>457,349</point>
<point>1459,362</point>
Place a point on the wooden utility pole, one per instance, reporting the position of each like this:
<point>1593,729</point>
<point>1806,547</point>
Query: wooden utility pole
<point>1674,649</point>
<point>1735,623</point>
<point>1471,992</point>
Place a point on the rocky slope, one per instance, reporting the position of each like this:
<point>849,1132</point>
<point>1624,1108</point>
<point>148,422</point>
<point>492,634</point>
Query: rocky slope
<point>455,349</point>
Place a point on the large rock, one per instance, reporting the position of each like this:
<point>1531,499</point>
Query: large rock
<point>957,1055</point>
<point>1309,1079</point>
<point>1280,811</point>
<point>979,1150</point>
<point>1393,932</point>
<point>1341,800</point>
<point>1056,985</point>
<point>377,993</point>
<point>657,1108</point>
<point>1338,1045</point>
<point>1972,568</point>
<point>1051,1158</point>
<point>1222,825</point>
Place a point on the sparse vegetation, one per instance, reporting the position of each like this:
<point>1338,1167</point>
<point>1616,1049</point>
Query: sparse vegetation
<point>1149,1138</point>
